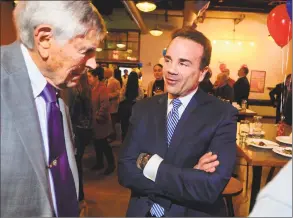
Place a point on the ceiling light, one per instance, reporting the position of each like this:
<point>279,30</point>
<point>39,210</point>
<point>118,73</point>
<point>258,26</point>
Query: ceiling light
<point>252,43</point>
<point>156,31</point>
<point>239,43</point>
<point>129,51</point>
<point>120,45</point>
<point>227,42</point>
<point>214,41</point>
<point>146,6</point>
<point>99,49</point>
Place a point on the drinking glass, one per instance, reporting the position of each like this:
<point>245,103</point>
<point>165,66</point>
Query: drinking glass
<point>257,126</point>
<point>244,105</point>
<point>244,129</point>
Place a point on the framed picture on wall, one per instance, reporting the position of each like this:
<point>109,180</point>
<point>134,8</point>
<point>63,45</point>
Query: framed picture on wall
<point>257,81</point>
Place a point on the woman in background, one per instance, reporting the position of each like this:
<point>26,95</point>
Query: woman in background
<point>101,122</point>
<point>130,93</point>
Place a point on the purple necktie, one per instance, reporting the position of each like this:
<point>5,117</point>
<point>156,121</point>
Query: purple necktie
<point>66,199</point>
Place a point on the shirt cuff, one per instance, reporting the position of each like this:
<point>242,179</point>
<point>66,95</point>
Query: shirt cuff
<point>151,168</point>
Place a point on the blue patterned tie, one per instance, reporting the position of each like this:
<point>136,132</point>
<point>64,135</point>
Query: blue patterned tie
<point>172,120</point>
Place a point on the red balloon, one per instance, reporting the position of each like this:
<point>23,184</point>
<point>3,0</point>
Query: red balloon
<point>279,25</point>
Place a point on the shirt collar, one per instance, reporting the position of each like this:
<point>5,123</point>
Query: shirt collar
<point>37,79</point>
<point>185,99</point>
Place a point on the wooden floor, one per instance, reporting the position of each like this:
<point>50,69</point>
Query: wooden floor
<point>105,197</point>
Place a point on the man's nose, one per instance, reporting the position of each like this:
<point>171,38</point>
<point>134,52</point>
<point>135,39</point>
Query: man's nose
<point>91,63</point>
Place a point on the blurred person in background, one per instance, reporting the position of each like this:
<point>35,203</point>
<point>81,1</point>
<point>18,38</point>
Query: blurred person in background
<point>206,84</point>
<point>117,75</point>
<point>156,86</point>
<point>230,81</point>
<point>242,86</point>
<point>113,87</point>
<point>80,108</point>
<point>101,123</point>
<point>224,91</point>
<point>283,93</point>
<point>130,93</point>
<point>125,76</point>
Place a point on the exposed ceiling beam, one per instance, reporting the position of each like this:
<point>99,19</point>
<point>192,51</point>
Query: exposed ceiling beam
<point>193,9</point>
<point>136,16</point>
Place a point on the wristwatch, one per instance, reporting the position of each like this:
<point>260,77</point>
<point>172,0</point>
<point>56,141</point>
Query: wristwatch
<point>143,160</point>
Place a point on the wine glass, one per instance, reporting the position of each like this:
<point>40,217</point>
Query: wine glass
<point>257,126</point>
<point>244,130</point>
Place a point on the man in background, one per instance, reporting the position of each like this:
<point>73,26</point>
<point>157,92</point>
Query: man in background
<point>57,44</point>
<point>282,95</point>
<point>242,86</point>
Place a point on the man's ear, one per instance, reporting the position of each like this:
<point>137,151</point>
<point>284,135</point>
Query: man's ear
<point>203,73</point>
<point>43,36</point>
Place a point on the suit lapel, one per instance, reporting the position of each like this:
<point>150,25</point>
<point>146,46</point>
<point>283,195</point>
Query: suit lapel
<point>160,119</point>
<point>18,96</point>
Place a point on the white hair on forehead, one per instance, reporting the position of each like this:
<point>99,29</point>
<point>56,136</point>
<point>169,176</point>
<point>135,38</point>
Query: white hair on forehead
<point>67,18</point>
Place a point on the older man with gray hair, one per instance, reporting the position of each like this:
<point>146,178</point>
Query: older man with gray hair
<point>223,90</point>
<point>57,44</point>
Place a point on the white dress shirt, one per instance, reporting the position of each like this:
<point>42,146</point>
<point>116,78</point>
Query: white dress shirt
<point>151,168</point>
<point>38,83</point>
<point>275,199</point>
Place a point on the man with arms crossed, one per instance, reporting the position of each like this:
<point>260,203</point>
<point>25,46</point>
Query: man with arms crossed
<point>169,134</point>
<point>57,43</point>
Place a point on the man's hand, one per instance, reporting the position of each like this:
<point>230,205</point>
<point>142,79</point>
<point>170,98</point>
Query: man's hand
<point>207,163</point>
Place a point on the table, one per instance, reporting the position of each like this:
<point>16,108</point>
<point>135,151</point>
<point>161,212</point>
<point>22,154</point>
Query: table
<point>258,158</point>
<point>247,112</point>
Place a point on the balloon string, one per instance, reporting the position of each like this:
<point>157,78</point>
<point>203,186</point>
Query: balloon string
<point>282,95</point>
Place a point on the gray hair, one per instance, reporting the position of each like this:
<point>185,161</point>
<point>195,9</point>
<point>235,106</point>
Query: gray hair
<point>67,18</point>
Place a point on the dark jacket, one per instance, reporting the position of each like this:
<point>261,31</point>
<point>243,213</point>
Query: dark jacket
<point>206,86</point>
<point>225,92</point>
<point>241,90</point>
<point>275,96</point>
<point>180,189</point>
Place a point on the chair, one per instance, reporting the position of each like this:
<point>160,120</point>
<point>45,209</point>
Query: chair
<point>233,188</point>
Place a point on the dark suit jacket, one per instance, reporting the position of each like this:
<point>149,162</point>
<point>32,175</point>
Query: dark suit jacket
<point>275,95</point>
<point>207,124</point>
<point>225,92</point>
<point>241,90</point>
<point>206,86</point>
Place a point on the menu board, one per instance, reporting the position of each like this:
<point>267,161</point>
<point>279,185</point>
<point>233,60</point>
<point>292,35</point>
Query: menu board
<point>257,81</point>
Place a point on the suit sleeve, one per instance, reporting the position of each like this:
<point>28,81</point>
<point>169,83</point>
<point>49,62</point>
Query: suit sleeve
<point>273,93</point>
<point>191,185</point>
<point>129,175</point>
